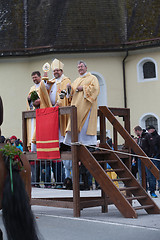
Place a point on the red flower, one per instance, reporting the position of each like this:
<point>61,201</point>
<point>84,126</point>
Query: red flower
<point>16,157</point>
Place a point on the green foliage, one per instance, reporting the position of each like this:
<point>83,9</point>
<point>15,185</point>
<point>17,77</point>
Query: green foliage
<point>11,153</point>
<point>34,96</point>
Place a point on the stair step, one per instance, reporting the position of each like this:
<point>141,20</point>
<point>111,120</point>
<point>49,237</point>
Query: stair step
<point>108,161</point>
<point>122,179</point>
<point>100,152</point>
<point>128,188</point>
<point>115,170</point>
<point>143,207</point>
<point>136,197</point>
<point>111,161</point>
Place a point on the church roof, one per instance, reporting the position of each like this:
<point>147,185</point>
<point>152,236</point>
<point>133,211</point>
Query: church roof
<point>44,26</point>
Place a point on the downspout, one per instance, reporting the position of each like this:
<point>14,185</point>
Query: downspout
<point>25,6</point>
<point>124,80</point>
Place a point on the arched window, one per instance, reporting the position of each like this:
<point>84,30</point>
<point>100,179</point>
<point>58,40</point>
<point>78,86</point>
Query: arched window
<point>150,119</point>
<point>102,97</point>
<point>147,70</point>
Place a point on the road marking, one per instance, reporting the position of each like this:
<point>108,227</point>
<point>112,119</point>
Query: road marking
<point>97,221</point>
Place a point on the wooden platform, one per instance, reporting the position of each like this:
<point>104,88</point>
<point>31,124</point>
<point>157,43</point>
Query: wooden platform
<point>95,162</point>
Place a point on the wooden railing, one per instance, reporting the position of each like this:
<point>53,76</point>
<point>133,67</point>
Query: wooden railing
<point>129,141</point>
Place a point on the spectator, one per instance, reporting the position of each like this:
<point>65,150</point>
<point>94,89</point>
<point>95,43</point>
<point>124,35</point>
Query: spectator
<point>134,161</point>
<point>13,139</point>
<point>18,145</point>
<point>68,168</point>
<point>85,177</point>
<point>2,139</point>
<point>109,141</point>
<point>46,173</point>
<point>144,143</point>
<point>8,141</point>
<point>154,140</point>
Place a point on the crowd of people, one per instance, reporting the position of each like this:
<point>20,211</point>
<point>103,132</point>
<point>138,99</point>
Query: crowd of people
<point>149,140</point>
<point>13,140</point>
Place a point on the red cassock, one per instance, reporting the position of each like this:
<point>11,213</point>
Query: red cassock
<point>47,133</point>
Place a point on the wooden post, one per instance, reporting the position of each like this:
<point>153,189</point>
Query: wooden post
<point>103,141</point>
<point>127,127</point>
<point>115,140</point>
<point>24,132</point>
<point>102,127</point>
<point>127,121</point>
<point>75,165</point>
<point>143,173</point>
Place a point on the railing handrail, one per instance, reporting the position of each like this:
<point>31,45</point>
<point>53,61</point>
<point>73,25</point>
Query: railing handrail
<point>127,137</point>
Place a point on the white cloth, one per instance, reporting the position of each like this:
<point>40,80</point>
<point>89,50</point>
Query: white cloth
<point>52,96</point>
<point>53,90</point>
<point>33,145</point>
<point>52,93</point>
<point>82,136</point>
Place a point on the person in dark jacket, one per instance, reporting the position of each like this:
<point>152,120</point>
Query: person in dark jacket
<point>154,141</point>
<point>141,141</point>
<point>145,144</point>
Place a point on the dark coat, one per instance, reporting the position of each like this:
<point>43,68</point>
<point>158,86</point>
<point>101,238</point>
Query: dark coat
<point>154,142</point>
<point>143,142</point>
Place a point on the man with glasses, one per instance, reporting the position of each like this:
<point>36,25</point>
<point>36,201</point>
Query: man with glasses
<point>84,92</point>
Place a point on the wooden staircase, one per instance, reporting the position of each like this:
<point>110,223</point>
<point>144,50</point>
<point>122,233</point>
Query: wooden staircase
<point>95,162</point>
<point>118,198</point>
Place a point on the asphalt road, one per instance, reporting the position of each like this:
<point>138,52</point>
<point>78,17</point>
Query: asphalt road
<point>67,228</point>
<point>59,223</point>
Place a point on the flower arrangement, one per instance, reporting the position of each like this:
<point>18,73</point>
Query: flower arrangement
<point>11,156</point>
<point>11,153</point>
<point>34,96</point>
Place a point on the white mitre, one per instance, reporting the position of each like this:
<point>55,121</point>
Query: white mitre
<point>56,64</point>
